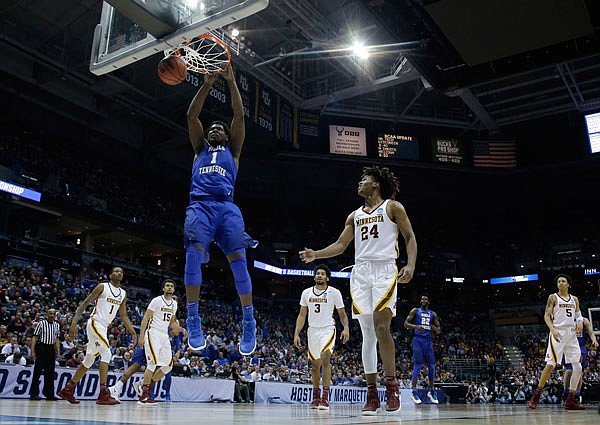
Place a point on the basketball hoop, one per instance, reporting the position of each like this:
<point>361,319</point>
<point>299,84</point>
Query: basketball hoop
<point>205,54</point>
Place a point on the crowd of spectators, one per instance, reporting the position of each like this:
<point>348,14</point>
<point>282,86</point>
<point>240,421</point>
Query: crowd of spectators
<point>25,294</point>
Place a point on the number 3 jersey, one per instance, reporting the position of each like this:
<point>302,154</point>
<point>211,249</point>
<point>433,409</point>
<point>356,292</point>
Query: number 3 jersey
<point>375,235</point>
<point>321,304</point>
<point>107,304</point>
<point>213,174</point>
<point>162,311</point>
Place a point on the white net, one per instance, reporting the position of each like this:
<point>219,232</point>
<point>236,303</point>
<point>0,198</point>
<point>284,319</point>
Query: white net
<point>204,54</point>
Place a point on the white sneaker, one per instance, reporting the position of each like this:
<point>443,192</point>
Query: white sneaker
<point>137,386</point>
<point>115,390</point>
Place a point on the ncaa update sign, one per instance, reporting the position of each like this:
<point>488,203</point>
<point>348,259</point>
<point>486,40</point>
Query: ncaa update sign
<point>347,140</point>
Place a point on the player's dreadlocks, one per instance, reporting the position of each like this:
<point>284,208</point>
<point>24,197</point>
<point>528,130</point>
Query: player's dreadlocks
<point>388,182</point>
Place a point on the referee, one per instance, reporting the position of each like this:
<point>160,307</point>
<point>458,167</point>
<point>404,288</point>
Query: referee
<point>46,345</point>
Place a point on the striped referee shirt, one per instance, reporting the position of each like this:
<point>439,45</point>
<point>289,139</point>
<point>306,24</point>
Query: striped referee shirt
<point>47,332</point>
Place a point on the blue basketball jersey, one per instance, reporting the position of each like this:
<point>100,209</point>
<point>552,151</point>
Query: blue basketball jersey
<point>424,318</point>
<point>213,174</point>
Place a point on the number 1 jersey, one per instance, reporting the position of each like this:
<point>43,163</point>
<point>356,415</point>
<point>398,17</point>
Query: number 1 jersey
<point>213,174</point>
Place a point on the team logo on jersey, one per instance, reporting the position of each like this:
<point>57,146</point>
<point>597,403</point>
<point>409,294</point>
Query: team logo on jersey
<point>379,210</point>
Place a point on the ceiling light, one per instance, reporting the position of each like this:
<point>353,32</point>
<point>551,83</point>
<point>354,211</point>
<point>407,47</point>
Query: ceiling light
<point>360,50</point>
<point>235,32</point>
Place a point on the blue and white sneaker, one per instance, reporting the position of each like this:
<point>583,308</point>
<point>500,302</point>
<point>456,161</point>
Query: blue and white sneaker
<point>248,342</point>
<point>415,397</point>
<point>168,398</point>
<point>196,339</point>
<point>432,396</point>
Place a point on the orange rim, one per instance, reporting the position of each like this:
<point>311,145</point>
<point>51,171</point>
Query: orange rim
<point>209,37</point>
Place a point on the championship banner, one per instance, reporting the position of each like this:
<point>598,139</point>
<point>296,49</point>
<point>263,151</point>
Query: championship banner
<point>265,104</point>
<point>285,121</point>
<point>306,126</point>
<point>447,150</point>
<point>347,140</point>
<point>287,393</point>
<point>246,85</point>
<point>15,382</point>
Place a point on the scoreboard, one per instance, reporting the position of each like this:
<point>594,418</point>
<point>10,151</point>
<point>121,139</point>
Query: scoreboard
<point>397,146</point>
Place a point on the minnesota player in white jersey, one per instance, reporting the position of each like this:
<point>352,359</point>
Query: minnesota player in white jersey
<point>564,319</point>
<point>319,302</point>
<point>109,298</point>
<point>374,228</point>
<point>154,338</point>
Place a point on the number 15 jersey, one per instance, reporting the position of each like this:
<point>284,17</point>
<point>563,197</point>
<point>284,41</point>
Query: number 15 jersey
<point>375,235</point>
<point>162,312</point>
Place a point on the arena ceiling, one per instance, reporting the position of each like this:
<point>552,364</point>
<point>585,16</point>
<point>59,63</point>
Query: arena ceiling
<point>473,65</point>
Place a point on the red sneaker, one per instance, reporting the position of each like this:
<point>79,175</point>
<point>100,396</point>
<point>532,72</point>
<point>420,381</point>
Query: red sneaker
<point>316,398</point>
<point>323,404</point>
<point>373,403</point>
<point>392,394</point>
<point>145,397</point>
<point>536,399</point>
<point>104,398</point>
<point>571,404</point>
<point>68,393</point>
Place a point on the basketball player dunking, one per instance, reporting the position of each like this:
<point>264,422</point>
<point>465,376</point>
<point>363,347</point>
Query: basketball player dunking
<point>423,321</point>
<point>212,215</point>
<point>319,302</point>
<point>374,228</point>
<point>109,298</point>
<point>564,319</point>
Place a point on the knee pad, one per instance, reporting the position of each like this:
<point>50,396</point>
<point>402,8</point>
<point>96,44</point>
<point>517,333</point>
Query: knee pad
<point>193,266</point>
<point>166,369</point>
<point>369,346</point>
<point>89,359</point>
<point>239,268</point>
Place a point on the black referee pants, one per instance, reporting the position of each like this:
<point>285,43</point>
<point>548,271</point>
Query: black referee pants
<point>45,358</point>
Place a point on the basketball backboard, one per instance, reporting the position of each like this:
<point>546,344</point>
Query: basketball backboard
<point>124,36</point>
<point>594,316</point>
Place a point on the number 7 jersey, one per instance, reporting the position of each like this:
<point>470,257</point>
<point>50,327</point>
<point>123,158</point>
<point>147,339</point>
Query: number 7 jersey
<point>375,235</point>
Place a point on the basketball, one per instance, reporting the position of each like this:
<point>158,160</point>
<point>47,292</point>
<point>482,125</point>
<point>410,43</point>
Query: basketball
<point>172,70</point>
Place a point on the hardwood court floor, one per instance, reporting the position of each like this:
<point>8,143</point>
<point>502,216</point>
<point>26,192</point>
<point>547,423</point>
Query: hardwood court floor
<point>25,412</point>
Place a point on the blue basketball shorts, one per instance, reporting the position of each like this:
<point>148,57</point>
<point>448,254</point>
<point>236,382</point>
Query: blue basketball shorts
<point>139,356</point>
<point>423,350</point>
<point>219,221</point>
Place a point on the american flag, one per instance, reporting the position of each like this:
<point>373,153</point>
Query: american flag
<point>494,154</point>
